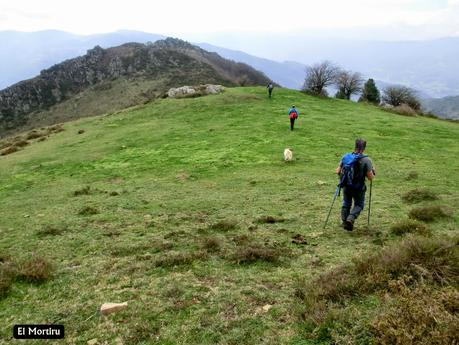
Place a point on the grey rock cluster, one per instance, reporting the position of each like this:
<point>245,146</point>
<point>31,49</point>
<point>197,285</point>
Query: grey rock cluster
<point>194,91</point>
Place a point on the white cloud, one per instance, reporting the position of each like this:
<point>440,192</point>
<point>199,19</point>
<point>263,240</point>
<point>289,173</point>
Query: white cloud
<point>181,17</point>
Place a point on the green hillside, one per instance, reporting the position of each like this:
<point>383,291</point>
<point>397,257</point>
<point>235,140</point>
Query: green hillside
<point>185,209</point>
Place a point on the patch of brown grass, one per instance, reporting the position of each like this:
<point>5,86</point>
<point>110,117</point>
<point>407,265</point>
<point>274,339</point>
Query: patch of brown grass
<point>34,134</point>
<point>224,225</point>
<point>241,239</point>
<point>404,109</point>
<point>432,259</point>
<point>55,129</point>
<point>179,258</point>
<point>412,175</point>
<point>36,270</point>
<point>21,143</point>
<point>270,220</point>
<point>88,211</point>
<point>253,252</point>
<point>4,143</point>
<point>8,272</point>
<point>9,150</point>
<point>418,195</point>
<point>428,213</point>
<point>419,316</point>
<point>51,230</point>
<point>82,191</point>
<point>397,273</point>
<point>211,244</point>
<point>409,226</point>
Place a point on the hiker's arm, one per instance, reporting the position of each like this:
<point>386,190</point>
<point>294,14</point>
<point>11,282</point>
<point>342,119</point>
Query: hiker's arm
<point>338,170</point>
<point>371,173</point>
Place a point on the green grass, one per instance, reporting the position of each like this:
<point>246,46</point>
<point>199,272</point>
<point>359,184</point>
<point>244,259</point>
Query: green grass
<point>168,177</point>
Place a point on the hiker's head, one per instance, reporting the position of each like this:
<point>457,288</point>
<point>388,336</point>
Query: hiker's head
<point>360,145</point>
<point>293,106</point>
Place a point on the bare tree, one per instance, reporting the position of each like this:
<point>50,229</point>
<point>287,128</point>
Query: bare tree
<point>348,83</point>
<point>398,95</point>
<point>319,76</point>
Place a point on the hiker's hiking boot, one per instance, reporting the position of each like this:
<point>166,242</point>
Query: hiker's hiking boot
<point>349,223</point>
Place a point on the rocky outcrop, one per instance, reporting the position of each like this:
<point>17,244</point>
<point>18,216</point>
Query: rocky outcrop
<point>195,91</point>
<point>173,61</point>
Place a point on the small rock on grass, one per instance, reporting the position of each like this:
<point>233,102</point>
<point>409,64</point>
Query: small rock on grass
<point>267,307</point>
<point>108,308</point>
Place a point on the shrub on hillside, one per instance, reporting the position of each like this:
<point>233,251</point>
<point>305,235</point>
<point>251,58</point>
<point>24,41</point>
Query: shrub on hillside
<point>428,213</point>
<point>88,211</point>
<point>178,259</point>
<point>270,220</point>
<point>418,195</point>
<point>416,261</point>
<point>211,244</point>
<point>36,270</point>
<point>9,150</point>
<point>82,191</point>
<point>8,272</point>
<point>419,316</point>
<point>412,175</point>
<point>405,109</point>
<point>253,252</point>
<point>51,230</point>
<point>409,226</point>
<point>224,225</point>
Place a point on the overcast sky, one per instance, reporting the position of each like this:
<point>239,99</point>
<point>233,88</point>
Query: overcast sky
<point>199,19</point>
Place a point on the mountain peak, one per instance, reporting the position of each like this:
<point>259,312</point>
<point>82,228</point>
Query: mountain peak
<point>147,71</point>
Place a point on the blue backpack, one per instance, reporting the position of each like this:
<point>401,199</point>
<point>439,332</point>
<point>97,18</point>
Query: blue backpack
<point>347,176</point>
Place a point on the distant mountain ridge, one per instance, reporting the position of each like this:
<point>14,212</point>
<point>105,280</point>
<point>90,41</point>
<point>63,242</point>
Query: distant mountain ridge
<point>289,74</point>
<point>430,66</point>
<point>446,107</point>
<point>147,71</point>
<point>24,54</point>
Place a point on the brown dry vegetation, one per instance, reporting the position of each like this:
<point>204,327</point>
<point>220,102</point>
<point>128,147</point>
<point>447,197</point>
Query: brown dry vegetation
<point>36,270</point>
<point>405,109</point>
<point>412,175</point>
<point>179,258</point>
<point>88,211</point>
<point>51,230</point>
<point>254,252</point>
<point>398,273</point>
<point>270,220</point>
<point>418,316</point>
<point>211,244</point>
<point>428,213</point>
<point>14,144</point>
<point>82,191</point>
<point>224,225</point>
<point>418,195</point>
<point>409,226</point>
<point>8,272</point>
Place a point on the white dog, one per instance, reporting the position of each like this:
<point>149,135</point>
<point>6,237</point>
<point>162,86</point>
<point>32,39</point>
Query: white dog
<point>288,155</point>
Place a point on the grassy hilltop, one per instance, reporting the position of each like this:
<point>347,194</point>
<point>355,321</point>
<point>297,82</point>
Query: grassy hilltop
<point>186,209</point>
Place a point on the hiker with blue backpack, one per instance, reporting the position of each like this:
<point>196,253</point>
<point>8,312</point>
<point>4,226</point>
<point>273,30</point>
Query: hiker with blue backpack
<point>293,115</point>
<point>353,169</point>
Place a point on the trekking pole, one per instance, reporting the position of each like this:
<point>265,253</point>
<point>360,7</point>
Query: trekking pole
<point>334,198</point>
<point>369,203</point>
